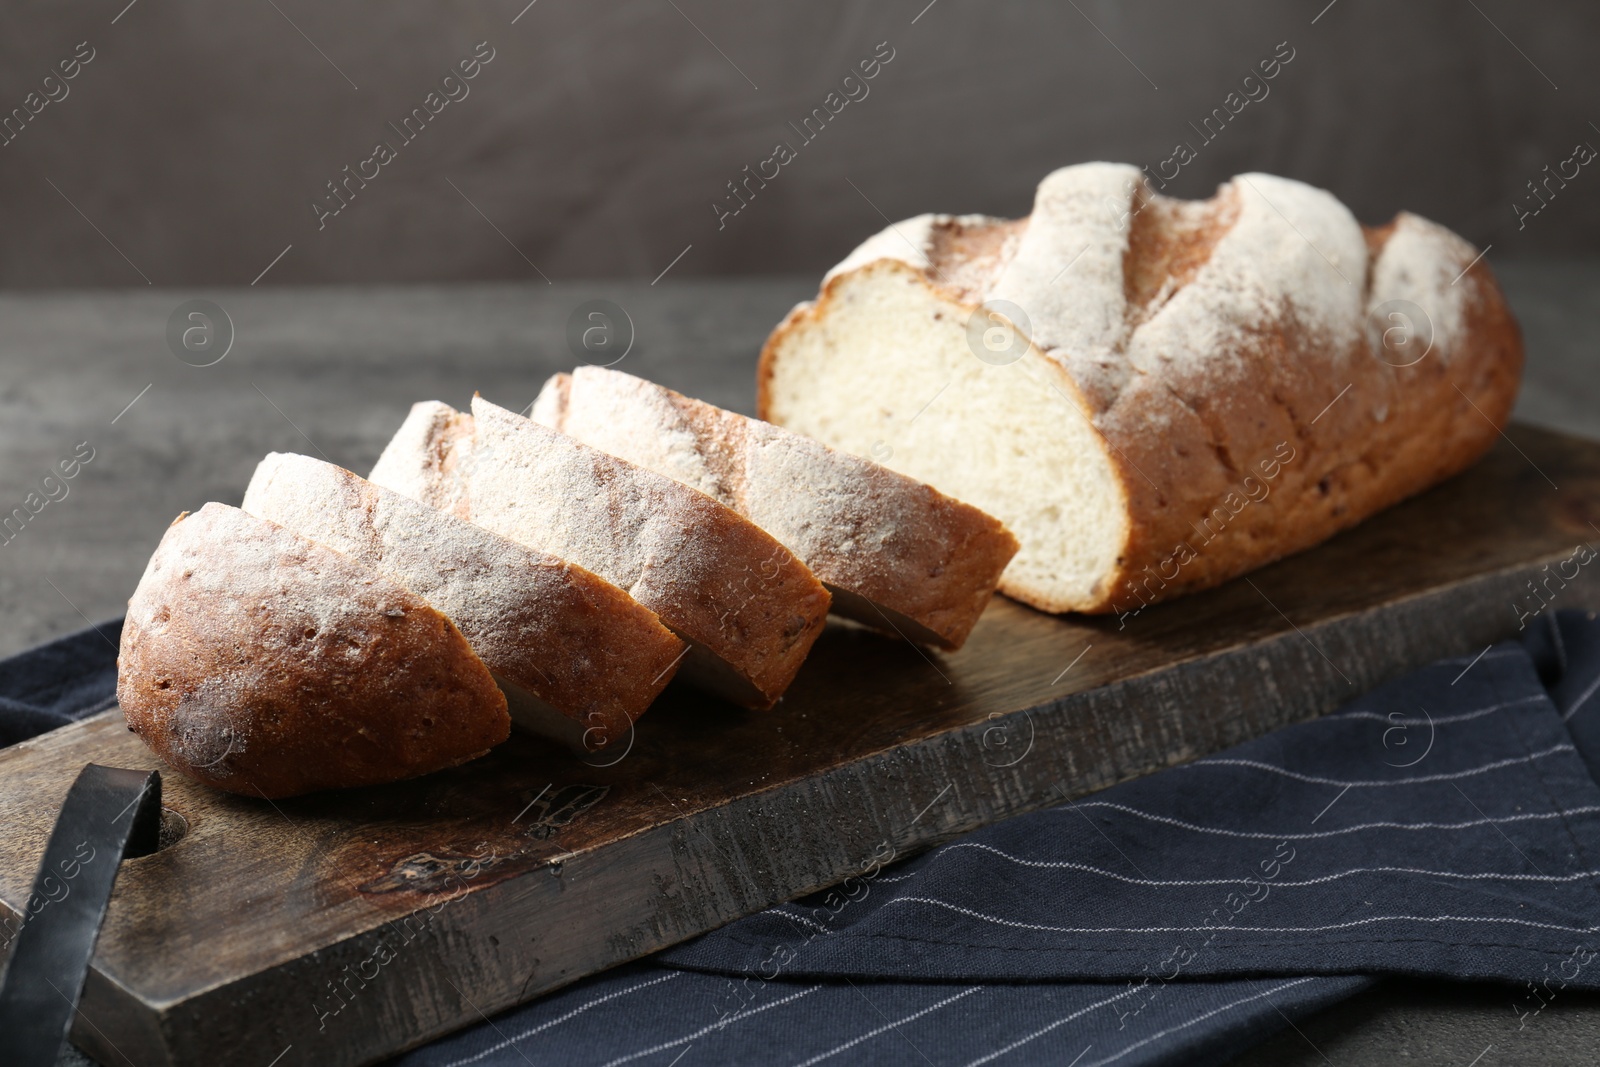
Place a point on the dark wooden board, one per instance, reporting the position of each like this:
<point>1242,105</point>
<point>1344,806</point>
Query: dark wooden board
<point>338,929</point>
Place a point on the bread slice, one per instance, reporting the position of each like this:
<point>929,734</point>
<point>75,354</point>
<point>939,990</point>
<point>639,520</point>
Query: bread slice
<point>1155,395</point>
<point>747,607</point>
<point>262,663</point>
<point>896,554</point>
<point>578,659</point>
<point>428,457</point>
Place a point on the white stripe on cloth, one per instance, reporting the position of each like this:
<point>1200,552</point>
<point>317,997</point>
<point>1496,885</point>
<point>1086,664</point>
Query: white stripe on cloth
<point>1562,813</point>
<point>1080,1013</point>
<point>561,1019</point>
<point>1200,1019</point>
<point>1437,720</point>
<point>1240,929</point>
<point>870,1034</point>
<point>1577,876</point>
<point>718,1025</point>
<point>787,914</point>
<point>1422,779</point>
<point>1582,697</point>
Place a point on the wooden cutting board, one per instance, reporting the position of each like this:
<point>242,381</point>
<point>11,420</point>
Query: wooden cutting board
<point>341,928</point>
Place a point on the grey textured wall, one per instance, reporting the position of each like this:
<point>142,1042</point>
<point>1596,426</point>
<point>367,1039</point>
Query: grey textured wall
<point>190,149</point>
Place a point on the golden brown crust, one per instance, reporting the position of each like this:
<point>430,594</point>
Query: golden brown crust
<point>800,316</point>
<point>1334,465</point>
<point>748,608</point>
<point>258,662</point>
<point>1169,241</point>
<point>1345,427</point>
<point>566,636</point>
<point>898,555</point>
<point>964,253</point>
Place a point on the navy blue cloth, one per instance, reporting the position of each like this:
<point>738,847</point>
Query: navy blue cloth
<point>1446,824</point>
<point>650,1014</point>
<point>67,679</point>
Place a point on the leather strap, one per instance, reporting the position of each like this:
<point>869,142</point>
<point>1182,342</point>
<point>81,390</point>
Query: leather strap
<point>108,814</point>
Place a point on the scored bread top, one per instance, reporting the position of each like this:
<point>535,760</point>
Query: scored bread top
<point>563,634</point>
<point>1202,340</point>
<point>260,662</point>
<point>749,608</point>
<point>1118,282</point>
<point>897,554</point>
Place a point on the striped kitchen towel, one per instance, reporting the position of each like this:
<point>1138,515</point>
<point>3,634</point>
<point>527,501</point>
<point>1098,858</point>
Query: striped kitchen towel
<point>1446,824</point>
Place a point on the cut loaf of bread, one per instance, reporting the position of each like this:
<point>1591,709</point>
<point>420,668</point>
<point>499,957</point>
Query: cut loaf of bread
<point>749,610</point>
<point>262,663</point>
<point>896,554</point>
<point>578,659</point>
<point>1155,395</point>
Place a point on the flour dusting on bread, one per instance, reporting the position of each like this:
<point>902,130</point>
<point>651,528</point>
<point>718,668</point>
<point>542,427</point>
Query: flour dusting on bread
<point>1160,352</point>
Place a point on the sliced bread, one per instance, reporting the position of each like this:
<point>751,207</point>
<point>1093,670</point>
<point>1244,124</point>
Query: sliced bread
<point>577,657</point>
<point>260,662</point>
<point>748,608</point>
<point>896,554</point>
<point>428,457</point>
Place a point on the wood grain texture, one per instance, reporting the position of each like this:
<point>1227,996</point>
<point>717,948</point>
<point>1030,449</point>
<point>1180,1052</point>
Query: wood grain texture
<point>353,924</point>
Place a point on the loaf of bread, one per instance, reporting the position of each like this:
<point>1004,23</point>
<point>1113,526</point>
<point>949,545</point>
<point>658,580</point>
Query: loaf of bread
<point>1155,395</point>
<point>578,659</point>
<point>262,663</point>
<point>896,554</point>
<point>747,607</point>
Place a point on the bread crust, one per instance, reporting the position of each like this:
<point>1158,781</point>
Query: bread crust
<point>261,663</point>
<point>563,635</point>
<point>428,457</point>
<point>748,608</point>
<point>1360,430</point>
<point>896,554</point>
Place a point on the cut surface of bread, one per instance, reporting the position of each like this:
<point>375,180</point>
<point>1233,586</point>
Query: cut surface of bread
<point>1154,395</point>
<point>262,663</point>
<point>578,658</point>
<point>896,554</point>
<point>748,608</point>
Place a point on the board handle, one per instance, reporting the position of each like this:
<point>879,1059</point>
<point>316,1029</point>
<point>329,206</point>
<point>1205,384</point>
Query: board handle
<point>109,814</point>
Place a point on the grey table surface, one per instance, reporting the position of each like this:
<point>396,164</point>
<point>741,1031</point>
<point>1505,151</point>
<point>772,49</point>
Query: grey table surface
<point>333,371</point>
